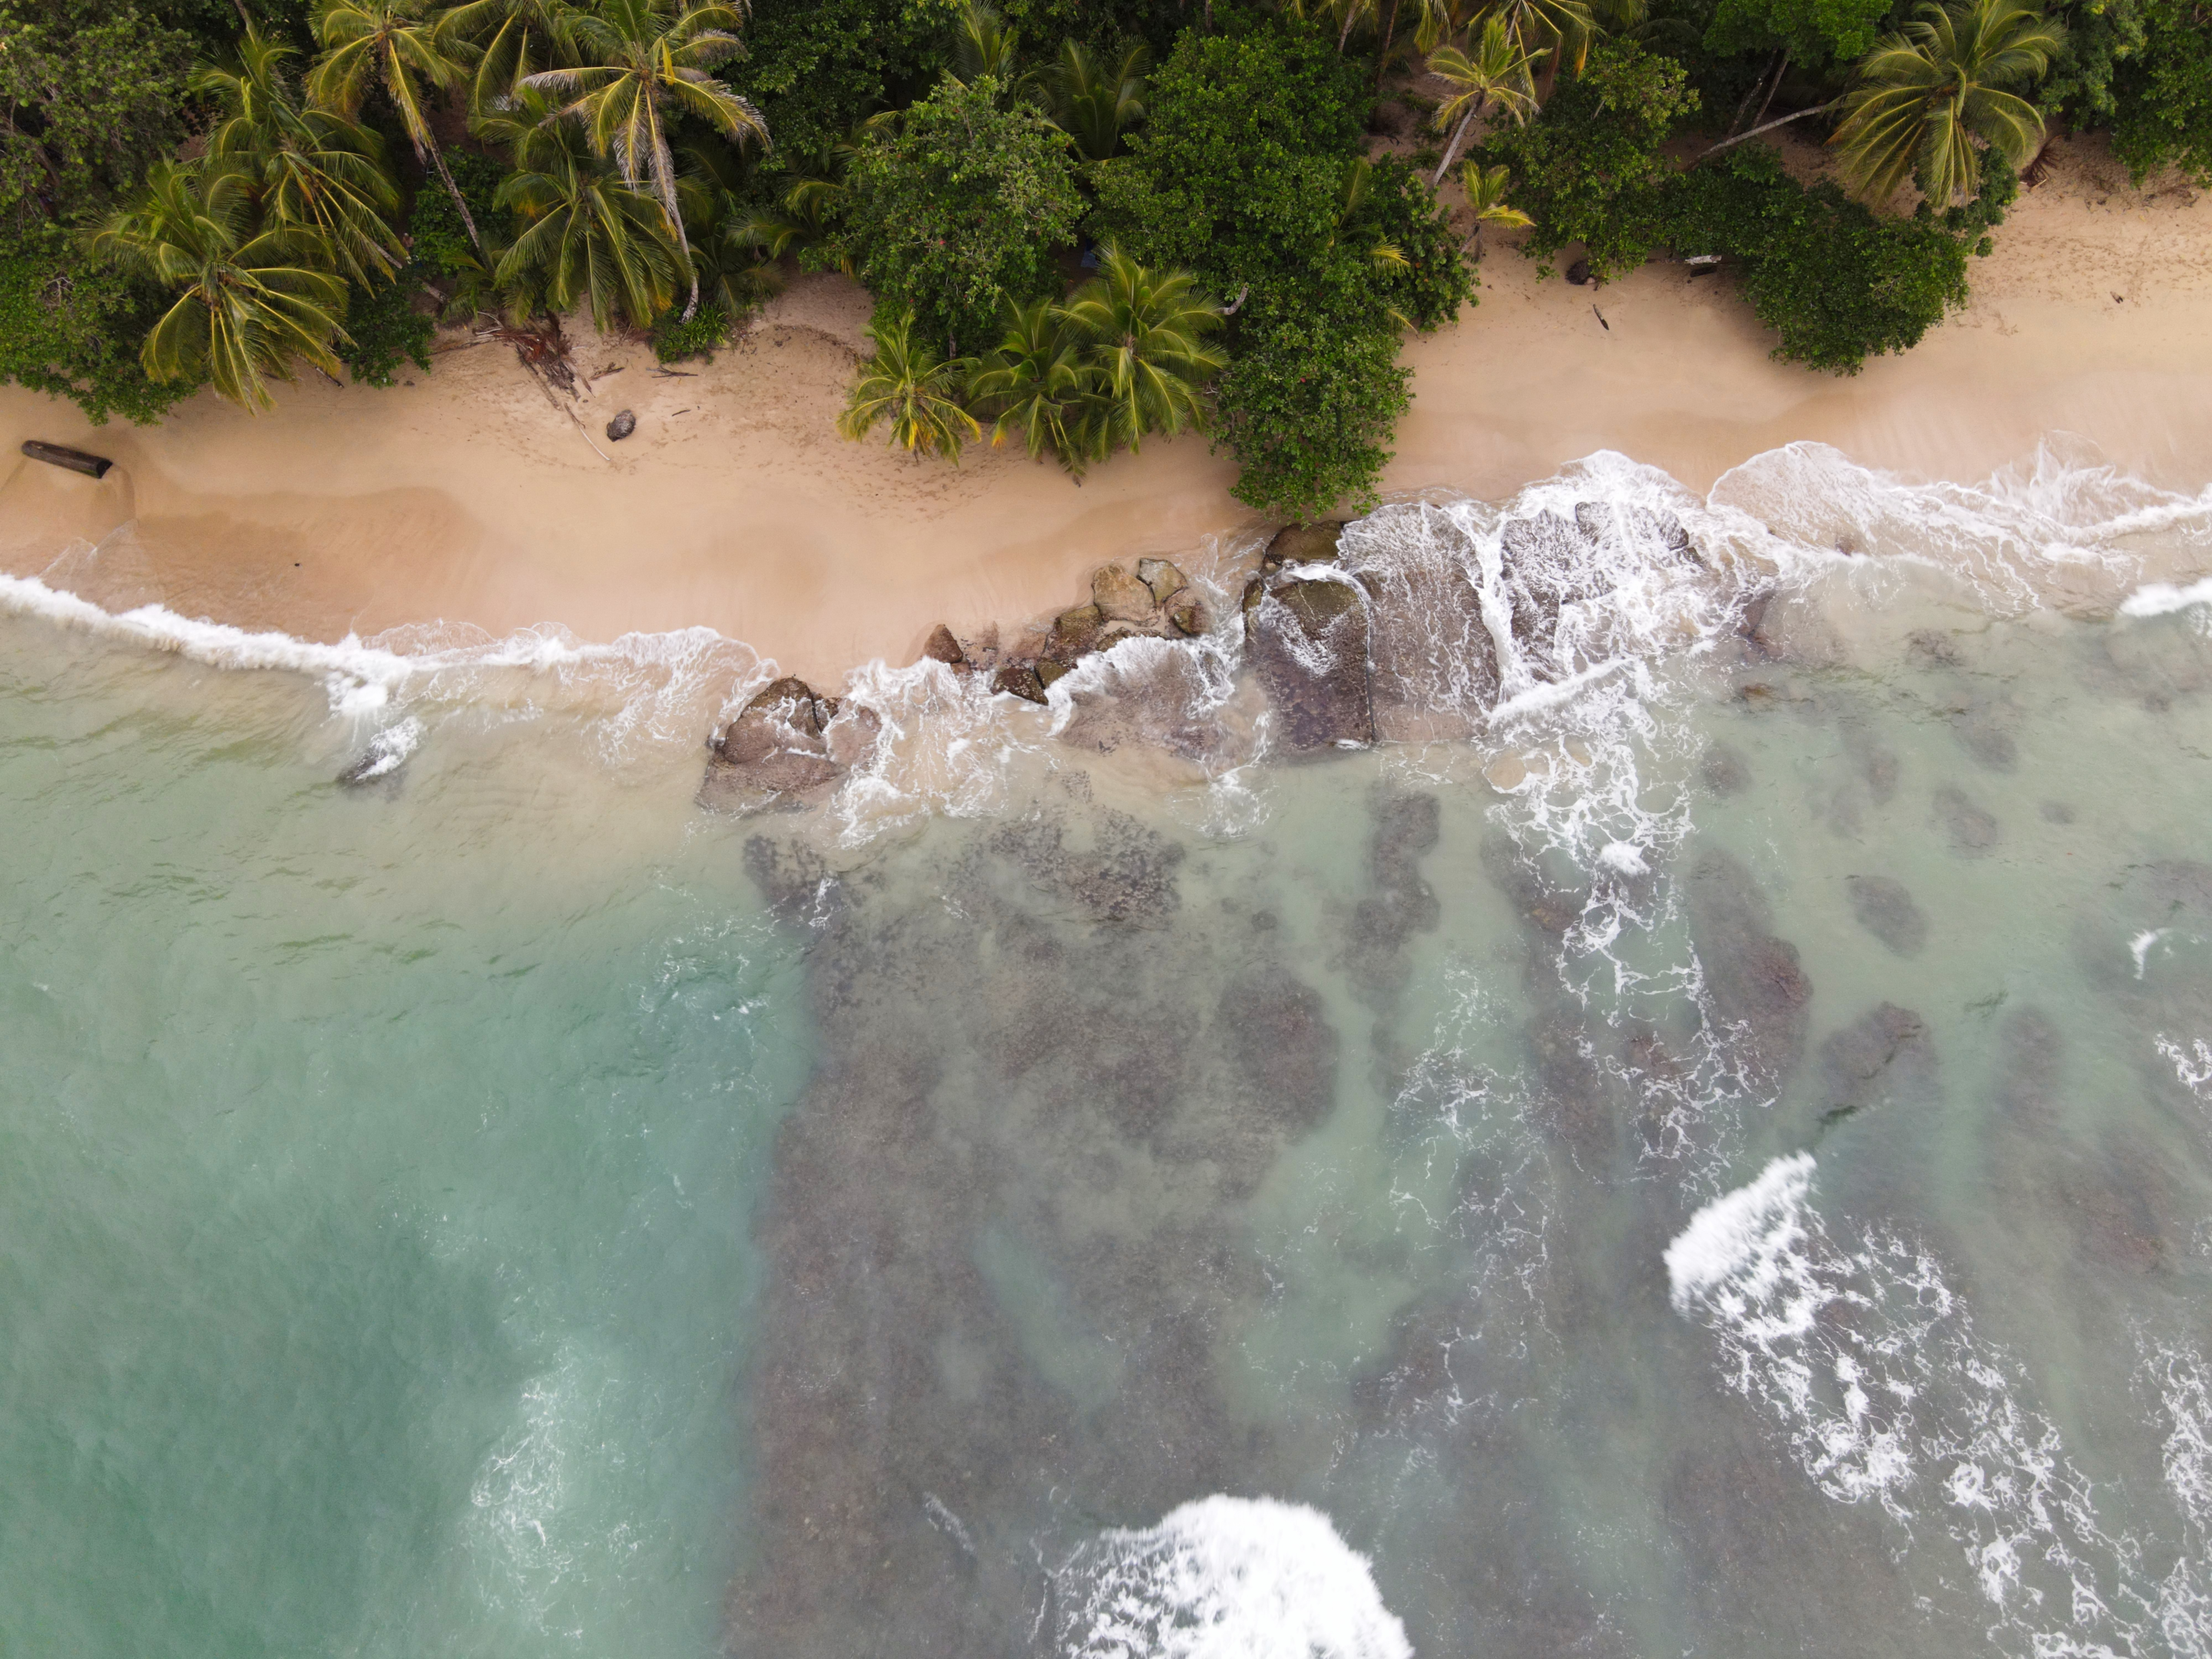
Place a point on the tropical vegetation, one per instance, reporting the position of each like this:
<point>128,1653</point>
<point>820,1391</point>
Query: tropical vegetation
<point>1085,223</point>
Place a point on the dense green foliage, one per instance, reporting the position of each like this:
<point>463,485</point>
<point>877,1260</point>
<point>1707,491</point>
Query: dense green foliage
<point>816,67</point>
<point>958,207</point>
<point>1837,284</point>
<point>91,96</point>
<point>1590,169</point>
<point>2143,67</point>
<point>385,328</point>
<point>1813,32</point>
<point>70,327</point>
<point>1249,172</point>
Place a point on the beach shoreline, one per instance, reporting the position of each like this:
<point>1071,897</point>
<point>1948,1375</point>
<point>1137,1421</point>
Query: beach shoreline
<point>465,496</point>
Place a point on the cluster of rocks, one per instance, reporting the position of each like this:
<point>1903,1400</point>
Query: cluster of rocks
<point>1156,602</point>
<point>1347,652</point>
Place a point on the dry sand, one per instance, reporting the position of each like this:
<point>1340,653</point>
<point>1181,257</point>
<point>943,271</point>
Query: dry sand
<point>465,496</point>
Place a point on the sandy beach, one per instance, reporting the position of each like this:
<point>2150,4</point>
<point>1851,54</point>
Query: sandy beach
<point>466,495</point>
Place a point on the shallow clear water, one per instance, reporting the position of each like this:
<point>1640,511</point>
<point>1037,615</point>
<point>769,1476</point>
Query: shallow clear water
<point>1713,1157</point>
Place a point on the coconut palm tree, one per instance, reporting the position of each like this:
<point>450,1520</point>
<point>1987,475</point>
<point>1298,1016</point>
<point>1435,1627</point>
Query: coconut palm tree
<point>1038,383</point>
<point>986,45</point>
<point>510,39</point>
<point>643,63</point>
<point>1931,98</point>
<point>389,46</point>
<point>1094,101</point>
<point>1141,331</point>
<point>309,167</point>
<point>908,384</point>
<point>586,236</point>
<point>1498,75</point>
<point>248,299</point>
<point>1486,193</point>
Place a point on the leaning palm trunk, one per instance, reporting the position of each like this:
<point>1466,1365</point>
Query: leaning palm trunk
<point>1452,148</point>
<point>460,205</point>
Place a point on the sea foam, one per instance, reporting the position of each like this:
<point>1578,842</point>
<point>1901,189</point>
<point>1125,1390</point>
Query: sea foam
<point>1226,1578</point>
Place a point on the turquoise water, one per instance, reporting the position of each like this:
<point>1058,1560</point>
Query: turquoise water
<point>1712,1155</point>
<point>374,1180</point>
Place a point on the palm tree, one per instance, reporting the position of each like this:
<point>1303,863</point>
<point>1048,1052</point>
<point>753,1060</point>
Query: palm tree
<point>247,300</point>
<point>1500,74</point>
<point>1094,102</point>
<point>1038,383</point>
<point>906,382</point>
<point>1485,194</point>
<point>985,46</point>
<point>511,39</point>
<point>388,46</point>
<point>1929,99</point>
<point>586,236</point>
<point>309,167</point>
<point>1141,331</point>
<point>645,63</point>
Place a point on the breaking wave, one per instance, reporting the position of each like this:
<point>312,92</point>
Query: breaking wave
<point>1225,1578</point>
<point>1869,1363</point>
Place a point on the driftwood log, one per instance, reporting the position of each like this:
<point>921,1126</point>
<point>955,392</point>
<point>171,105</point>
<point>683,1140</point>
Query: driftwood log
<point>93,466</point>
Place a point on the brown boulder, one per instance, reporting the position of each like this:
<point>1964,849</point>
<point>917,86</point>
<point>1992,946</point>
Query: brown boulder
<point>1303,543</point>
<point>1119,596</point>
<point>1020,679</point>
<point>773,753</point>
<point>1162,577</point>
<point>941,646</point>
<point>1185,614</point>
<point>1076,631</point>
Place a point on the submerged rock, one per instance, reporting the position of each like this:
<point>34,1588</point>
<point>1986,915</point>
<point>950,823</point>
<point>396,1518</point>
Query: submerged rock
<point>1885,1056</point>
<point>1887,910</point>
<point>1758,992</point>
<point>1307,640</point>
<point>1972,830</point>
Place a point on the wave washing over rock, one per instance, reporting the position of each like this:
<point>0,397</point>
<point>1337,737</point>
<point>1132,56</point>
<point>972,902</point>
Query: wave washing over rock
<point>1635,1064</point>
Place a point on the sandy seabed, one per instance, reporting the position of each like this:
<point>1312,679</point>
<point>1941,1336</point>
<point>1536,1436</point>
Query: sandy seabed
<point>466,495</point>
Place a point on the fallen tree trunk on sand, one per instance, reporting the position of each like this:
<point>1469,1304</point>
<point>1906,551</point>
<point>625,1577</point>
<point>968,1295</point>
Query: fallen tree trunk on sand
<point>93,466</point>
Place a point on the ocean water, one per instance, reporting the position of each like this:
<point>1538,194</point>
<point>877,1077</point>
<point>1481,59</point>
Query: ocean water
<point>1701,1142</point>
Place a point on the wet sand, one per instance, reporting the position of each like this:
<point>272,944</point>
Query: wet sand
<point>465,496</point>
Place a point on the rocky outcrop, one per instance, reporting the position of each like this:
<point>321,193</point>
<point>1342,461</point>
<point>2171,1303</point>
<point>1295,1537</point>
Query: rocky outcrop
<point>1306,639</point>
<point>777,752</point>
<point>1303,543</point>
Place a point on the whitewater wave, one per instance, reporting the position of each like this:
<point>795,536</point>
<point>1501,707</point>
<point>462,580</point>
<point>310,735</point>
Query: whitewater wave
<point>1542,637</point>
<point>1870,1363</point>
<point>1225,1578</point>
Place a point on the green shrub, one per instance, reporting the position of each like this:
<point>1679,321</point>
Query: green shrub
<point>958,207</point>
<point>1307,407</point>
<point>674,339</point>
<point>386,328</point>
<point>71,328</point>
<point>1589,168</point>
<point>1248,173</point>
<point>1835,283</point>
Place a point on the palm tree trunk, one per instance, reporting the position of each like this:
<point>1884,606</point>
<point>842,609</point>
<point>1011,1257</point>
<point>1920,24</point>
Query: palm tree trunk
<point>1382,55</point>
<point>1773,87</point>
<point>1452,148</point>
<point>468,220</point>
<point>1351,11</point>
<point>1779,121</point>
